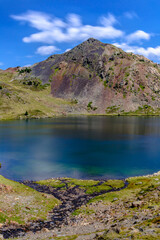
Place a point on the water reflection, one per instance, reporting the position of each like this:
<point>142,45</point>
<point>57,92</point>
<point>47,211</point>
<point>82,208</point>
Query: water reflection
<point>83,147</point>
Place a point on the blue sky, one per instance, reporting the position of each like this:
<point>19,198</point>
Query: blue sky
<point>31,30</point>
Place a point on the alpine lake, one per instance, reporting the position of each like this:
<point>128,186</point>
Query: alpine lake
<point>83,147</point>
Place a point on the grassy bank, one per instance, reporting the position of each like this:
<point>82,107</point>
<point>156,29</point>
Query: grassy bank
<point>20,204</point>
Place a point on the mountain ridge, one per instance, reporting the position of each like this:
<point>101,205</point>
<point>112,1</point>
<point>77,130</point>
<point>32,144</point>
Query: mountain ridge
<point>102,74</point>
<point>94,78</point>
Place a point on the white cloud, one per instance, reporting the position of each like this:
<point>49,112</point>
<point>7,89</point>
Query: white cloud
<point>74,20</point>
<point>39,20</point>
<point>150,52</point>
<point>52,29</point>
<point>1,63</point>
<point>46,50</point>
<point>109,20</point>
<point>138,36</point>
<point>29,56</point>
<point>49,30</point>
<point>27,65</point>
<point>67,50</point>
<point>130,15</point>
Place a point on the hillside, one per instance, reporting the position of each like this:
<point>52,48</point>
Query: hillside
<point>92,78</point>
<point>21,101</point>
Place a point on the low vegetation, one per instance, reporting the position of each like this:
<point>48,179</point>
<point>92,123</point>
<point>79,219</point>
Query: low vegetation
<point>89,186</point>
<point>20,204</point>
<point>28,99</point>
<point>122,212</point>
<point>24,70</point>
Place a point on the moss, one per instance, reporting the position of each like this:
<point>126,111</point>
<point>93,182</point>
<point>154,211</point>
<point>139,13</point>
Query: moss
<point>105,84</point>
<point>73,237</point>
<point>127,74</point>
<point>56,70</point>
<point>124,95</point>
<point>97,189</point>
<point>111,68</point>
<point>115,183</point>
<point>73,76</point>
<point>83,211</point>
<point>136,186</point>
<point>142,87</point>
<point>81,183</point>
<point>153,98</point>
<point>52,182</point>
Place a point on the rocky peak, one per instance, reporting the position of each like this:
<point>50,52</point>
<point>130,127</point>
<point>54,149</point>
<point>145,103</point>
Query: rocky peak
<point>104,75</point>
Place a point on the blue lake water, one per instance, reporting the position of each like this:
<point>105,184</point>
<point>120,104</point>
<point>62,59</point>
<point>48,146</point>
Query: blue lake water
<point>80,147</point>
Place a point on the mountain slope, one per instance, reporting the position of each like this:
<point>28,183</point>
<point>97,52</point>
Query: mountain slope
<point>21,101</point>
<point>102,78</point>
<point>97,78</point>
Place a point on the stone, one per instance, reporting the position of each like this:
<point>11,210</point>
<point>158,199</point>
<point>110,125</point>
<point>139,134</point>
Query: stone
<point>45,230</point>
<point>156,88</point>
<point>117,230</point>
<point>136,204</point>
<point>115,199</point>
<point>140,197</point>
<point>134,230</point>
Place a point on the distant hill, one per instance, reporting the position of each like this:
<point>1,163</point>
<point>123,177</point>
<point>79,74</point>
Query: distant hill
<point>92,78</point>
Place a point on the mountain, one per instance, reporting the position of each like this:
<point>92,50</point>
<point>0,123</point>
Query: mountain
<point>94,78</point>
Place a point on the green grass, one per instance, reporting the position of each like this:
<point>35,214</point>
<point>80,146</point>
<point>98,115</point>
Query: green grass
<point>70,182</point>
<point>84,211</point>
<point>53,183</point>
<point>81,183</point>
<point>89,186</point>
<point>135,187</point>
<point>142,87</point>
<point>73,237</point>
<point>17,98</point>
<point>21,204</point>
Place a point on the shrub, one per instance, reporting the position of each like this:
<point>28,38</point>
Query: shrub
<point>141,86</point>
<point>90,107</point>
<point>26,113</point>
<point>24,70</point>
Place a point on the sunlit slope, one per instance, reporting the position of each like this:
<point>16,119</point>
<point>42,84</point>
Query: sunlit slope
<point>20,101</point>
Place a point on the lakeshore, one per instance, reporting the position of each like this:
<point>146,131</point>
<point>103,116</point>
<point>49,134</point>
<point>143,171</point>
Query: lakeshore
<point>81,209</point>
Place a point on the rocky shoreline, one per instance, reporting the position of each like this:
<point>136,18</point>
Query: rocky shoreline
<point>71,199</point>
<point>88,209</point>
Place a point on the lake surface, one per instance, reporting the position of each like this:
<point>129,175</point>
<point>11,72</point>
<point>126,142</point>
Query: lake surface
<point>80,147</point>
